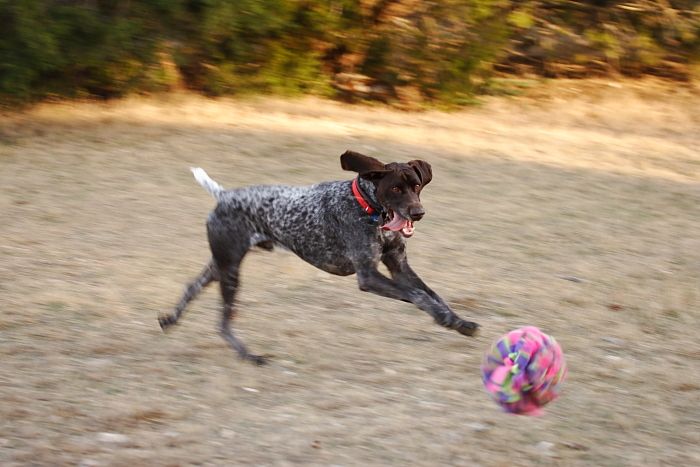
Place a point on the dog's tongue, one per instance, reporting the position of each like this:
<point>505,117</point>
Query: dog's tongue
<point>396,223</point>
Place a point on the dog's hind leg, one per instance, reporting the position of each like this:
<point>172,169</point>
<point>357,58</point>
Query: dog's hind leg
<point>230,240</point>
<point>229,286</point>
<point>208,274</point>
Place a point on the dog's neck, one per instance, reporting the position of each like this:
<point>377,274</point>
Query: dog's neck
<point>370,191</point>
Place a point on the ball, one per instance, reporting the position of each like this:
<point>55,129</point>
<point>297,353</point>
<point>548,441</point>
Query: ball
<point>524,370</point>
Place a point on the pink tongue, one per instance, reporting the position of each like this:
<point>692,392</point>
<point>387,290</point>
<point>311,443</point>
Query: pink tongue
<point>396,223</point>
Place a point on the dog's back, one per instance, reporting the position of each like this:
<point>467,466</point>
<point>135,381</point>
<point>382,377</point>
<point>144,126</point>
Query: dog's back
<point>312,221</point>
<point>331,225</point>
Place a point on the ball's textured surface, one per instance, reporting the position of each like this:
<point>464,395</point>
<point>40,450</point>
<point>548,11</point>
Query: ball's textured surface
<point>524,370</point>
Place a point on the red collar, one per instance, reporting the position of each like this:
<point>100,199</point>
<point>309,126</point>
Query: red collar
<point>362,201</point>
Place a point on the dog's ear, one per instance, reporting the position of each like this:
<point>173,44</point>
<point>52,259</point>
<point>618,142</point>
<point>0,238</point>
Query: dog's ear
<point>424,171</point>
<point>368,167</point>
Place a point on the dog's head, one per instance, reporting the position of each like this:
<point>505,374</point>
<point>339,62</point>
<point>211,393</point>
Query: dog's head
<point>397,186</point>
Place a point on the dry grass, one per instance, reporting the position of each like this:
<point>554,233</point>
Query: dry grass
<point>102,225</point>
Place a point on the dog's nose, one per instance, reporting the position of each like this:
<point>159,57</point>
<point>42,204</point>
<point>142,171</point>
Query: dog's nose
<point>416,213</point>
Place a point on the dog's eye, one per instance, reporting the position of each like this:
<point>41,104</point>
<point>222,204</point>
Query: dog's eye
<point>396,189</point>
<point>416,187</point>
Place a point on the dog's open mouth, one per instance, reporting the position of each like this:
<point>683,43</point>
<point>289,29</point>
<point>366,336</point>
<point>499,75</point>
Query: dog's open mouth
<point>397,223</point>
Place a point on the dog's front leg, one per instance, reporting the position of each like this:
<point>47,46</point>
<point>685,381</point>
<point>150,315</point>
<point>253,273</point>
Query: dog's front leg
<point>371,280</point>
<point>401,272</point>
<point>396,262</point>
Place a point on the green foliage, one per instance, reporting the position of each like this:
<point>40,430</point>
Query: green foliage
<point>253,45</point>
<point>443,50</point>
<point>521,19</point>
<point>25,53</point>
<point>643,36</point>
<point>72,48</point>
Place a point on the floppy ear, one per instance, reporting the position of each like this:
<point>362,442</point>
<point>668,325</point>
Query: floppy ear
<point>368,167</point>
<point>425,172</point>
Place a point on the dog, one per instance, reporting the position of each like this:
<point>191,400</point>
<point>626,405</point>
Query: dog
<point>342,227</point>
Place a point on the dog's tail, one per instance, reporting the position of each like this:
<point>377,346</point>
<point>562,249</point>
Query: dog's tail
<point>207,182</point>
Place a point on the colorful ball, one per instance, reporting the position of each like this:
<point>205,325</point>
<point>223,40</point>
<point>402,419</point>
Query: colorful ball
<point>524,370</point>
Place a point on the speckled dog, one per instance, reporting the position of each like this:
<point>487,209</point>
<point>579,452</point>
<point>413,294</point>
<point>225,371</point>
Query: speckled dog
<point>342,227</point>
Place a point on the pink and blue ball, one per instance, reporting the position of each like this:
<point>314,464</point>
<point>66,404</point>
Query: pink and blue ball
<point>524,370</point>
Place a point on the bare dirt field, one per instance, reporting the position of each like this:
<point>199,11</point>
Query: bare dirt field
<point>575,209</point>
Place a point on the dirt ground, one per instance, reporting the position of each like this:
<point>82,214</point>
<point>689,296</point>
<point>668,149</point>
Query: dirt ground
<point>575,209</point>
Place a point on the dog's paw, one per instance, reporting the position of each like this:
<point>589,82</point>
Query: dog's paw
<point>166,321</point>
<point>467,328</point>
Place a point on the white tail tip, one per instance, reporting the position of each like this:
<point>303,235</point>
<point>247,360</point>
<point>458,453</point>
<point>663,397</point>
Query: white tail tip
<point>206,181</point>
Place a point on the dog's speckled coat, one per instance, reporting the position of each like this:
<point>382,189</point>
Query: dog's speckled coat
<point>325,226</point>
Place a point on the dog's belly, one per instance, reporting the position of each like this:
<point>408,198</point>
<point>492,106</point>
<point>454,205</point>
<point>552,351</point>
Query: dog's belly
<point>339,269</point>
<point>327,261</point>
<point>325,252</point>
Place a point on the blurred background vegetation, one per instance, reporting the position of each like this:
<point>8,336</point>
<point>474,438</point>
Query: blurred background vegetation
<point>414,51</point>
